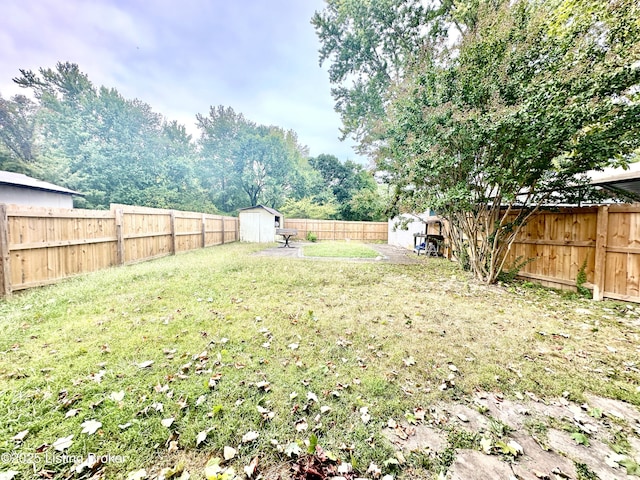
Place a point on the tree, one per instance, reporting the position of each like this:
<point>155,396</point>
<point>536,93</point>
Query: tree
<point>370,44</point>
<point>488,124</point>
<point>353,187</point>
<point>249,163</point>
<point>112,149</point>
<point>537,95</point>
<point>18,117</point>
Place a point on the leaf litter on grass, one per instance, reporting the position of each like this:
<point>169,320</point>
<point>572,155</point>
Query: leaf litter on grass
<point>366,320</point>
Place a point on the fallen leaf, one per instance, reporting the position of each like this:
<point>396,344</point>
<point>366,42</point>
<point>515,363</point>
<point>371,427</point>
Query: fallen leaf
<point>167,422</point>
<point>117,396</point>
<point>145,364</point>
<point>266,386</point>
<point>63,443</point>
<point>301,425</point>
<point>201,399</point>
<point>292,449</point>
<point>312,397</point>
<point>364,415</point>
<point>374,470</point>
<point>486,445</point>
<point>409,361</point>
<point>580,438</point>
<point>71,413</point>
<point>173,446</point>
<point>293,346</point>
<point>266,414</point>
<point>20,436</point>
<point>250,469</point>
<point>90,426</point>
<point>124,426</point>
<point>325,409</point>
<point>202,436</point>
<point>250,436</point>
<point>516,446</point>
<point>229,452</point>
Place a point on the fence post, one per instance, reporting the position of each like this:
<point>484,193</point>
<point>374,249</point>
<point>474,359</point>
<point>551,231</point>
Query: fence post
<point>119,214</point>
<point>204,230</point>
<point>172,222</point>
<point>222,219</point>
<point>5,258</point>
<point>599,277</point>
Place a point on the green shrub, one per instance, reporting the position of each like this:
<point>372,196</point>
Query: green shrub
<point>312,237</point>
<point>581,279</point>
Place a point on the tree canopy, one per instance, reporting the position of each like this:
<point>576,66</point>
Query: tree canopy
<point>118,150</point>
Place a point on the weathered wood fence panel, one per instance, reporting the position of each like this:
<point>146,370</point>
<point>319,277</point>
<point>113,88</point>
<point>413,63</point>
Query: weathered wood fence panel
<point>558,243</point>
<point>339,230</point>
<point>39,246</point>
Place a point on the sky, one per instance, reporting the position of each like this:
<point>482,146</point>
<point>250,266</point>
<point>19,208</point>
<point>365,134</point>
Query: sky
<point>181,57</point>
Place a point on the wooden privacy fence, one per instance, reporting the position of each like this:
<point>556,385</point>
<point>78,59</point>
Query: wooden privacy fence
<point>559,242</point>
<point>339,230</point>
<point>39,246</point>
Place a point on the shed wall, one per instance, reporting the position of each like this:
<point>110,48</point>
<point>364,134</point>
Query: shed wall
<point>10,194</point>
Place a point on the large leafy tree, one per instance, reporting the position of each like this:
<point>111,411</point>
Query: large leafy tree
<point>528,96</point>
<point>112,149</point>
<point>247,164</point>
<point>352,186</point>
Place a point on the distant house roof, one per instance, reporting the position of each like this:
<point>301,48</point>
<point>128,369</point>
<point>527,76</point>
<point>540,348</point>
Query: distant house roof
<point>21,180</point>
<point>619,179</point>
<point>270,210</point>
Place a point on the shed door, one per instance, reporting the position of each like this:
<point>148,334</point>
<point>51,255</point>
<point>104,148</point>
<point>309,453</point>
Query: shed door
<point>250,227</point>
<point>267,228</point>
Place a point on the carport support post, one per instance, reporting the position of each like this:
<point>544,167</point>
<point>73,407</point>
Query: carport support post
<point>602,227</point>
<point>5,258</point>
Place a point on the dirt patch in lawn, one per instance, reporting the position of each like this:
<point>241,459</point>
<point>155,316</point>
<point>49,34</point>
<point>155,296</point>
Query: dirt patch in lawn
<point>387,254</point>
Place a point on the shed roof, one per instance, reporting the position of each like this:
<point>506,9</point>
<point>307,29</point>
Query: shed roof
<point>21,180</point>
<point>268,209</point>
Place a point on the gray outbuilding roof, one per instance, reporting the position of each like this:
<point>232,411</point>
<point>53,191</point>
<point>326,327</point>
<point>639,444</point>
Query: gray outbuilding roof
<point>268,209</point>
<point>21,180</point>
<point>619,179</point>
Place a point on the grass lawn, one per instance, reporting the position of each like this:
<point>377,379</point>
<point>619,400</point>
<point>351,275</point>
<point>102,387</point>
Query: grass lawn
<point>178,358</point>
<point>339,250</point>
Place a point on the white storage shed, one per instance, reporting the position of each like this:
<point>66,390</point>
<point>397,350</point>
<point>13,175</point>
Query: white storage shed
<point>258,224</point>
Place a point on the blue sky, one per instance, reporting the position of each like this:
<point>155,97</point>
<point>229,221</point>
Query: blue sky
<point>181,57</point>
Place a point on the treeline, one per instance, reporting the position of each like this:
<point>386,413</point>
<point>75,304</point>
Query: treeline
<point>117,150</point>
